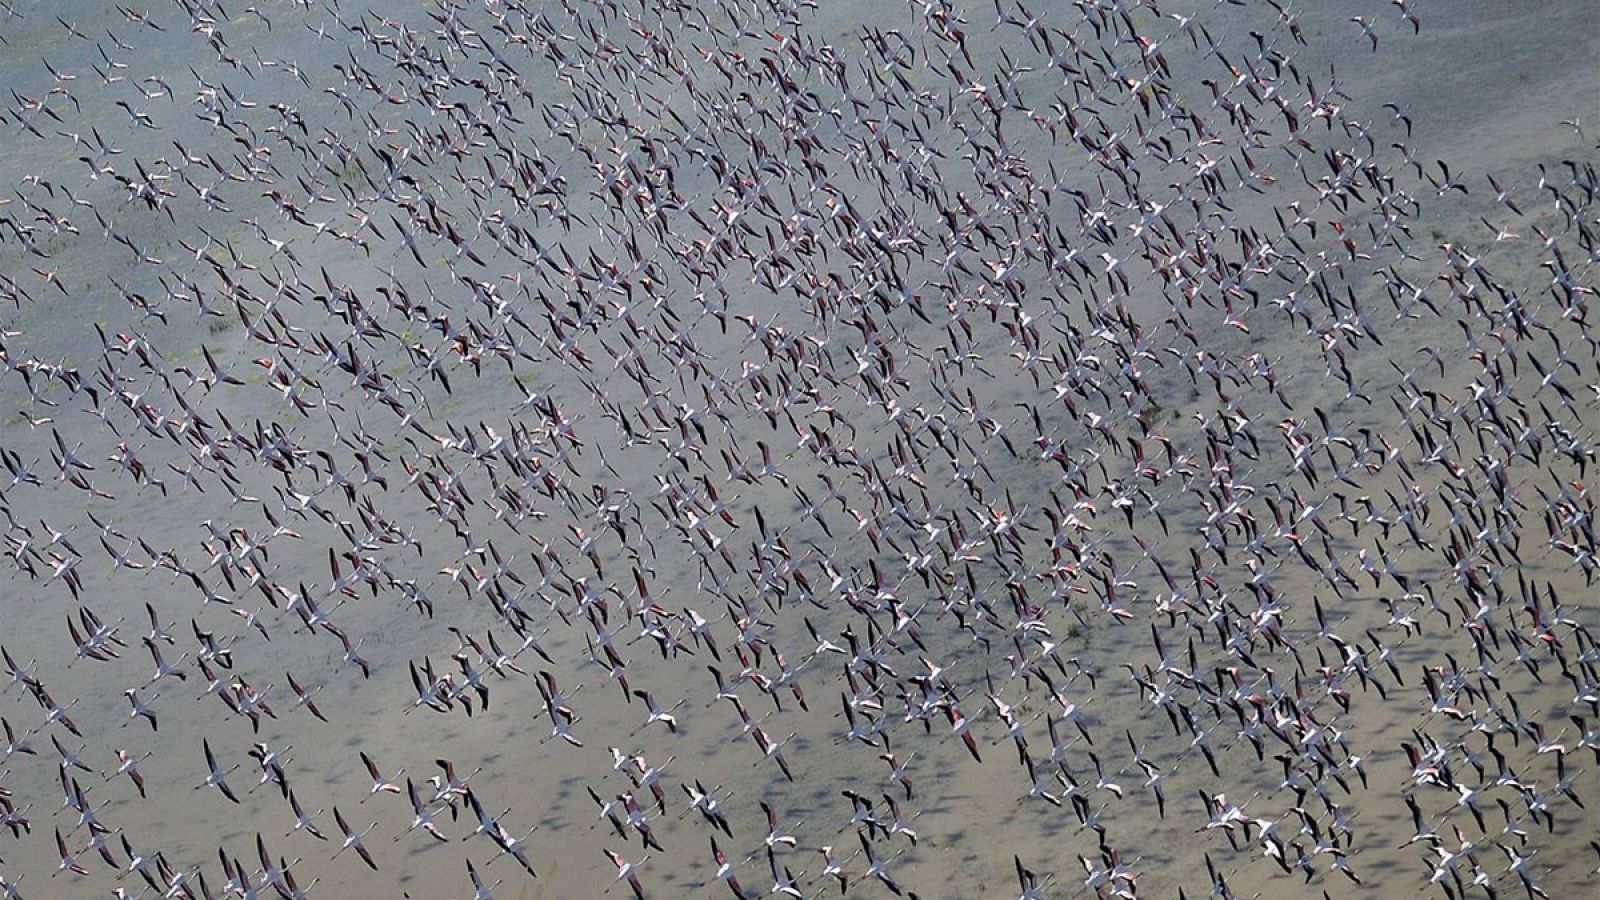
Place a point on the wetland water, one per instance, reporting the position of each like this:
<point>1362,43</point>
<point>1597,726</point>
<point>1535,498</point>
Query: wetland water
<point>1002,414</point>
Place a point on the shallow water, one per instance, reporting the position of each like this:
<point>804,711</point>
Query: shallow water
<point>1485,88</point>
